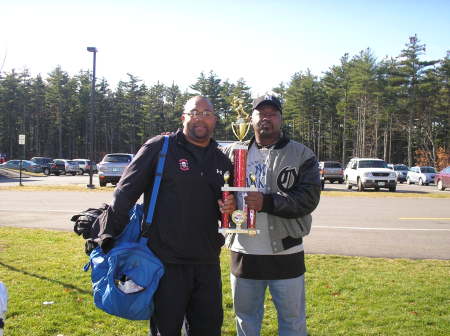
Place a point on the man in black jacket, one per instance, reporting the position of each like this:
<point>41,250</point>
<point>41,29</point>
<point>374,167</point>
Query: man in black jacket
<point>184,233</point>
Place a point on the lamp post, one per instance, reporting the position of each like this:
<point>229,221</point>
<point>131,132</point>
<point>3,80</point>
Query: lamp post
<point>91,118</point>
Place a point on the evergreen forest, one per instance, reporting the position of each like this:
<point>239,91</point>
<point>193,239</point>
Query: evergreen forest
<point>396,109</point>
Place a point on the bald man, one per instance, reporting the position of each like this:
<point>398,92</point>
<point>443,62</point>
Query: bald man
<point>184,233</point>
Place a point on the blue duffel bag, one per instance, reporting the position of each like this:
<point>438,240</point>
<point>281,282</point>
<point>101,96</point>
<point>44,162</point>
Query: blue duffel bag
<point>125,279</point>
<point>130,261</point>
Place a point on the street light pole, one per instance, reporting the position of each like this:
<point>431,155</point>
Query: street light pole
<point>91,119</point>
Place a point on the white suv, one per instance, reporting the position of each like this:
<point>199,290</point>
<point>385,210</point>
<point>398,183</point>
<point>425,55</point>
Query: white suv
<point>369,173</point>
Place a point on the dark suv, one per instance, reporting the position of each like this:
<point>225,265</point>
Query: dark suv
<point>48,165</point>
<point>401,171</point>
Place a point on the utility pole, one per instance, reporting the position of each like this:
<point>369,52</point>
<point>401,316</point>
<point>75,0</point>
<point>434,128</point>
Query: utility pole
<point>91,119</point>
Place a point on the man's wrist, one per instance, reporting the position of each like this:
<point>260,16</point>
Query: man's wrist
<point>267,203</point>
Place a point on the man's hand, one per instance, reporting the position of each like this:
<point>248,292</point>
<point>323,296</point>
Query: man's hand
<point>254,200</point>
<point>106,244</point>
<point>227,206</point>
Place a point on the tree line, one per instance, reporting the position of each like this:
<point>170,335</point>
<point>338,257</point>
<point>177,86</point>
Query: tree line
<point>396,109</point>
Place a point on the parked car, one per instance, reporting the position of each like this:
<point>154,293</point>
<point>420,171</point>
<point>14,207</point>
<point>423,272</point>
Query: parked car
<point>331,171</point>
<point>48,165</point>
<point>85,165</point>
<point>27,165</point>
<point>421,175</point>
<point>60,166</point>
<point>69,166</point>
<point>401,171</point>
<point>111,167</point>
<point>369,173</point>
<point>442,179</point>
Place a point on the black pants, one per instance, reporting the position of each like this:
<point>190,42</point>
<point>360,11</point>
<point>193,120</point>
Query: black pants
<point>193,292</point>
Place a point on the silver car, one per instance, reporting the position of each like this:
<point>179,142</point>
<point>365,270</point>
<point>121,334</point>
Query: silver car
<point>85,166</point>
<point>27,165</point>
<point>110,169</point>
<point>421,175</point>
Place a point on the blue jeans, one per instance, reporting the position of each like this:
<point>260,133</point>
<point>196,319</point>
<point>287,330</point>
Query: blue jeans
<point>288,296</point>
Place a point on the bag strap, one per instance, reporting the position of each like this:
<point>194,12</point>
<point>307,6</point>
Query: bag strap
<point>156,184</point>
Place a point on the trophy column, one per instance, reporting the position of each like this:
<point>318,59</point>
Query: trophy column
<point>242,216</point>
<point>225,193</point>
<point>244,219</point>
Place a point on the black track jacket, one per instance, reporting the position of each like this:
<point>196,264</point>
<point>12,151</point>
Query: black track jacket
<point>185,222</point>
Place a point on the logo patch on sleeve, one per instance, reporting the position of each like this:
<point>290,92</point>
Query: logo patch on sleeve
<point>184,164</point>
<point>286,178</point>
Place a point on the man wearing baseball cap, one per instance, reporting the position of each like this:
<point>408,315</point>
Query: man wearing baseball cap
<point>267,100</point>
<point>288,180</point>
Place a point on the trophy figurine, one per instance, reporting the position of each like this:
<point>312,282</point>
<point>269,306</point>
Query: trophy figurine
<point>244,219</point>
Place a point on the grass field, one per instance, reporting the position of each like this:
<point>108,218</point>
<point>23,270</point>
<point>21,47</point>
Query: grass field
<point>345,295</point>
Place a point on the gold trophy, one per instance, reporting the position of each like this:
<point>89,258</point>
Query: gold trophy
<point>241,217</point>
<point>241,126</point>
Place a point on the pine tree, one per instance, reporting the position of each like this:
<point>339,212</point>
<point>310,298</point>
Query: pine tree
<point>9,112</point>
<point>409,76</point>
<point>210,87</point>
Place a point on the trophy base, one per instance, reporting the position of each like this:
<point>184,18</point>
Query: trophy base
<point>250,232</point>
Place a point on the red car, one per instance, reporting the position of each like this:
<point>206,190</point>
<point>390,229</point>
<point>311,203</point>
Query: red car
<point>442,179</point>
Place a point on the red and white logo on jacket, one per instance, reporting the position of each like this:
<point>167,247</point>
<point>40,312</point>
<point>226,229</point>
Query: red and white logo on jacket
<point>184,164</point>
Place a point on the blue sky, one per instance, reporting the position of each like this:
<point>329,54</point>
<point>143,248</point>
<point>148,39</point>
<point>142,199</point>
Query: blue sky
<point>264,42</point>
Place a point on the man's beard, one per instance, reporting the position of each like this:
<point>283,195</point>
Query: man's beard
<point>266,130</point>
<point>200,134</point>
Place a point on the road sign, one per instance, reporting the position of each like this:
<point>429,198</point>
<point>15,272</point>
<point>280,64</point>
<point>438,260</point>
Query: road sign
<point>21,139</point>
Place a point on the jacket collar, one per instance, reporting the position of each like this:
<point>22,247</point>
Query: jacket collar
<point>282,142</point>
<point>181,139</point>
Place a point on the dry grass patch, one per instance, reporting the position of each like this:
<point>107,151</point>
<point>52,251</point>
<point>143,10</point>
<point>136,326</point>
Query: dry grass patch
<point>74,187</point>
<point>23,172</point>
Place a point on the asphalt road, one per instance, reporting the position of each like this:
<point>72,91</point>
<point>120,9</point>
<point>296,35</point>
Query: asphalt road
<point>416,228</point>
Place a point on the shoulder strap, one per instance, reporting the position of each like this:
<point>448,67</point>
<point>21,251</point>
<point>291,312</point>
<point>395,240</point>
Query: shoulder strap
<point>156,183</point>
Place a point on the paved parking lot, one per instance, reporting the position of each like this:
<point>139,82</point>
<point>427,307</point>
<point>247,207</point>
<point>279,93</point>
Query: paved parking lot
<point>401,187</point>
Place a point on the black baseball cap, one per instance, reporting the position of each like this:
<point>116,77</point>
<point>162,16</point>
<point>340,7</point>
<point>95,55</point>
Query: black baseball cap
<point>267,99</point>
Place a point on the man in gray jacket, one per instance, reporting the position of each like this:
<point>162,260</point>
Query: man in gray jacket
<point>287,176</point>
